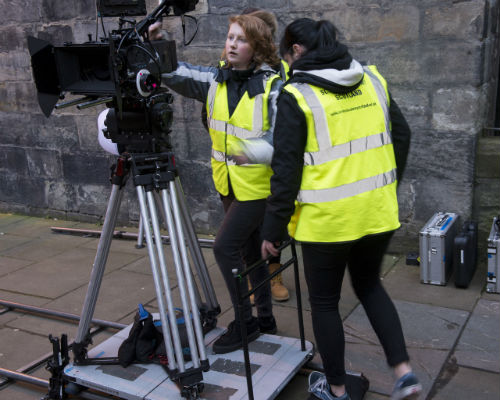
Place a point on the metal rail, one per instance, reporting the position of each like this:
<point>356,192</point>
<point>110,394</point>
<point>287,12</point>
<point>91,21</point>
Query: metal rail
<point>59,314</point>
<point>207,243</point>
<point>18,376</point>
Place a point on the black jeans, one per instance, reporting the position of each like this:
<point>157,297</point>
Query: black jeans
<point>237,245</point>
<point>324,270</point>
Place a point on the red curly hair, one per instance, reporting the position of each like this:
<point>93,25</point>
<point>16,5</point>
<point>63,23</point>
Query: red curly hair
<point>259,37</point>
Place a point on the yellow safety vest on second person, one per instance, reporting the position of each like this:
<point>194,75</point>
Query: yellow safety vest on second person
<point>348,187</point>
<point>228,133</point>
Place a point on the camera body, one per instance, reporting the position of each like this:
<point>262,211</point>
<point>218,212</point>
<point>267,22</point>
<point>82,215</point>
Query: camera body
<point>122,71</point>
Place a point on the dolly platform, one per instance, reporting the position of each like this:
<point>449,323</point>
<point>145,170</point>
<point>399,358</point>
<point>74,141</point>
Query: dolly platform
<point>274,361</point>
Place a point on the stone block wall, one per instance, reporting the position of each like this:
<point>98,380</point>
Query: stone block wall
<point>440,57</point>
<point>486,204</point>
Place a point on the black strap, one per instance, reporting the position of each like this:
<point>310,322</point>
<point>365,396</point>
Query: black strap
<point>183,19</point>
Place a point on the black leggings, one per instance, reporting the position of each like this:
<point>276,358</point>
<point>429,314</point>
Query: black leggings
<point>324,270</point>
<point>237,245</point>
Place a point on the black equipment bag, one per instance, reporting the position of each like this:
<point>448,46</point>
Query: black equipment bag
<point>465,254</point>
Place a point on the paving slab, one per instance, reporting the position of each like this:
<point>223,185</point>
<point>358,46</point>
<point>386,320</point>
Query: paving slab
<point>43,326</point>
<point>35,227</point>
<point>143,266</point>
<point>22,391</point>
<point>402,282</point>
<point>18,348</point>
<point>6,317</point>
<point>370,360</point>
<point>479,344</point>
<point>120,292</point>
<point>117,245</point>
<point>8,241</point>
<point>53,277</point>
<point>23,298</point>
<point>424,326</point>
<point>43,248</point>
<point>430,334</point>
<point>466,383</point>
<point>9,264</point>
<point>6,220</point>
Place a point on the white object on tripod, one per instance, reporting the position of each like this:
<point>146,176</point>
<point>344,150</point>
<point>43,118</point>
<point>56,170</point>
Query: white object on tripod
<point>107,144</point>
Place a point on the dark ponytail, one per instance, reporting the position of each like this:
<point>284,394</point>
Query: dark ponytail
<point>311,34</point>
<point>327,34</point>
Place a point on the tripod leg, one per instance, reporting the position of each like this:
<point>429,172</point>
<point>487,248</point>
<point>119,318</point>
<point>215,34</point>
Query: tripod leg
<point>140,235</point>
<point>154,268</point>
<point>176,245</point>
<point>194,246</point>
<point>98,270</point>
<point>166,285</point>
<point>161,211</point>
<point>187,271</point>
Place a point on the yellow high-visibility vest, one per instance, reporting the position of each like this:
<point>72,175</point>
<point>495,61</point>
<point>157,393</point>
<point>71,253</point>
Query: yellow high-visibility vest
<point>348,187</point>
<point>284,70</point>
<point>248,121</point>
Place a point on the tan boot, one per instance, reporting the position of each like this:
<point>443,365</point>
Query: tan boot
<point>278,291</point>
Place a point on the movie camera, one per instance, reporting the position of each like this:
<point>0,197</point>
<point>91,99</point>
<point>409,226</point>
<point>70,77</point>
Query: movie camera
<point>122,70</point>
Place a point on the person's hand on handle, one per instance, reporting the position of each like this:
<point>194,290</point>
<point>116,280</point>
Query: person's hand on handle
<point>154,31</point>
<point>269,248</point>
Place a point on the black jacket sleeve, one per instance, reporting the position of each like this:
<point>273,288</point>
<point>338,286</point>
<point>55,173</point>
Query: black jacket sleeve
<point>401,136</point>
<point>290,135</point>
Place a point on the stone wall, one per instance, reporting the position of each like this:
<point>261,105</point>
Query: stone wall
<point>440,58</point>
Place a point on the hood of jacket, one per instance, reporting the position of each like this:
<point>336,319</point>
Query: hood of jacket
<point>331,68</point>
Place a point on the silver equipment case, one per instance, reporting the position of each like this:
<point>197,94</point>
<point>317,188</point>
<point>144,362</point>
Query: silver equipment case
<point>436,248</point>
<point>493,258</point>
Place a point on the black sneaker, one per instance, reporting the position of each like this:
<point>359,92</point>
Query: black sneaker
<point>231,339</point>
<point>267,325</point>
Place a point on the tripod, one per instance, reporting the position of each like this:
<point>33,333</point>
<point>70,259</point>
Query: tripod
<point>157,183</point>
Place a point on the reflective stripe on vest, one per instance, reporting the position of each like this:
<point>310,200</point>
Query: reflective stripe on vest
<point>347,190</point>
<point>383,96</point>
<point>284,70</point>
<point>240,133</point>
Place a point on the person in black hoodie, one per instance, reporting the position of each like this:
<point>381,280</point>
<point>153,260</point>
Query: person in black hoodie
<point>340,149</point>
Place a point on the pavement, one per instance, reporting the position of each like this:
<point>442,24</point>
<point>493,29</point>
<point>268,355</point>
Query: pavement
<point>452,334</point>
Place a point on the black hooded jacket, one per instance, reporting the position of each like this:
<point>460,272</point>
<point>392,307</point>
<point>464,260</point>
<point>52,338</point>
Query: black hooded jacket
<point>334,70</point>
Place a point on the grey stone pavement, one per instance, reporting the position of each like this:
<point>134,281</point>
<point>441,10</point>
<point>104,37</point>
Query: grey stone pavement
<point>453,335</point>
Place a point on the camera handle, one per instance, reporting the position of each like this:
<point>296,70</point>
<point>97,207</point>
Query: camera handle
<point>142,27</point>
